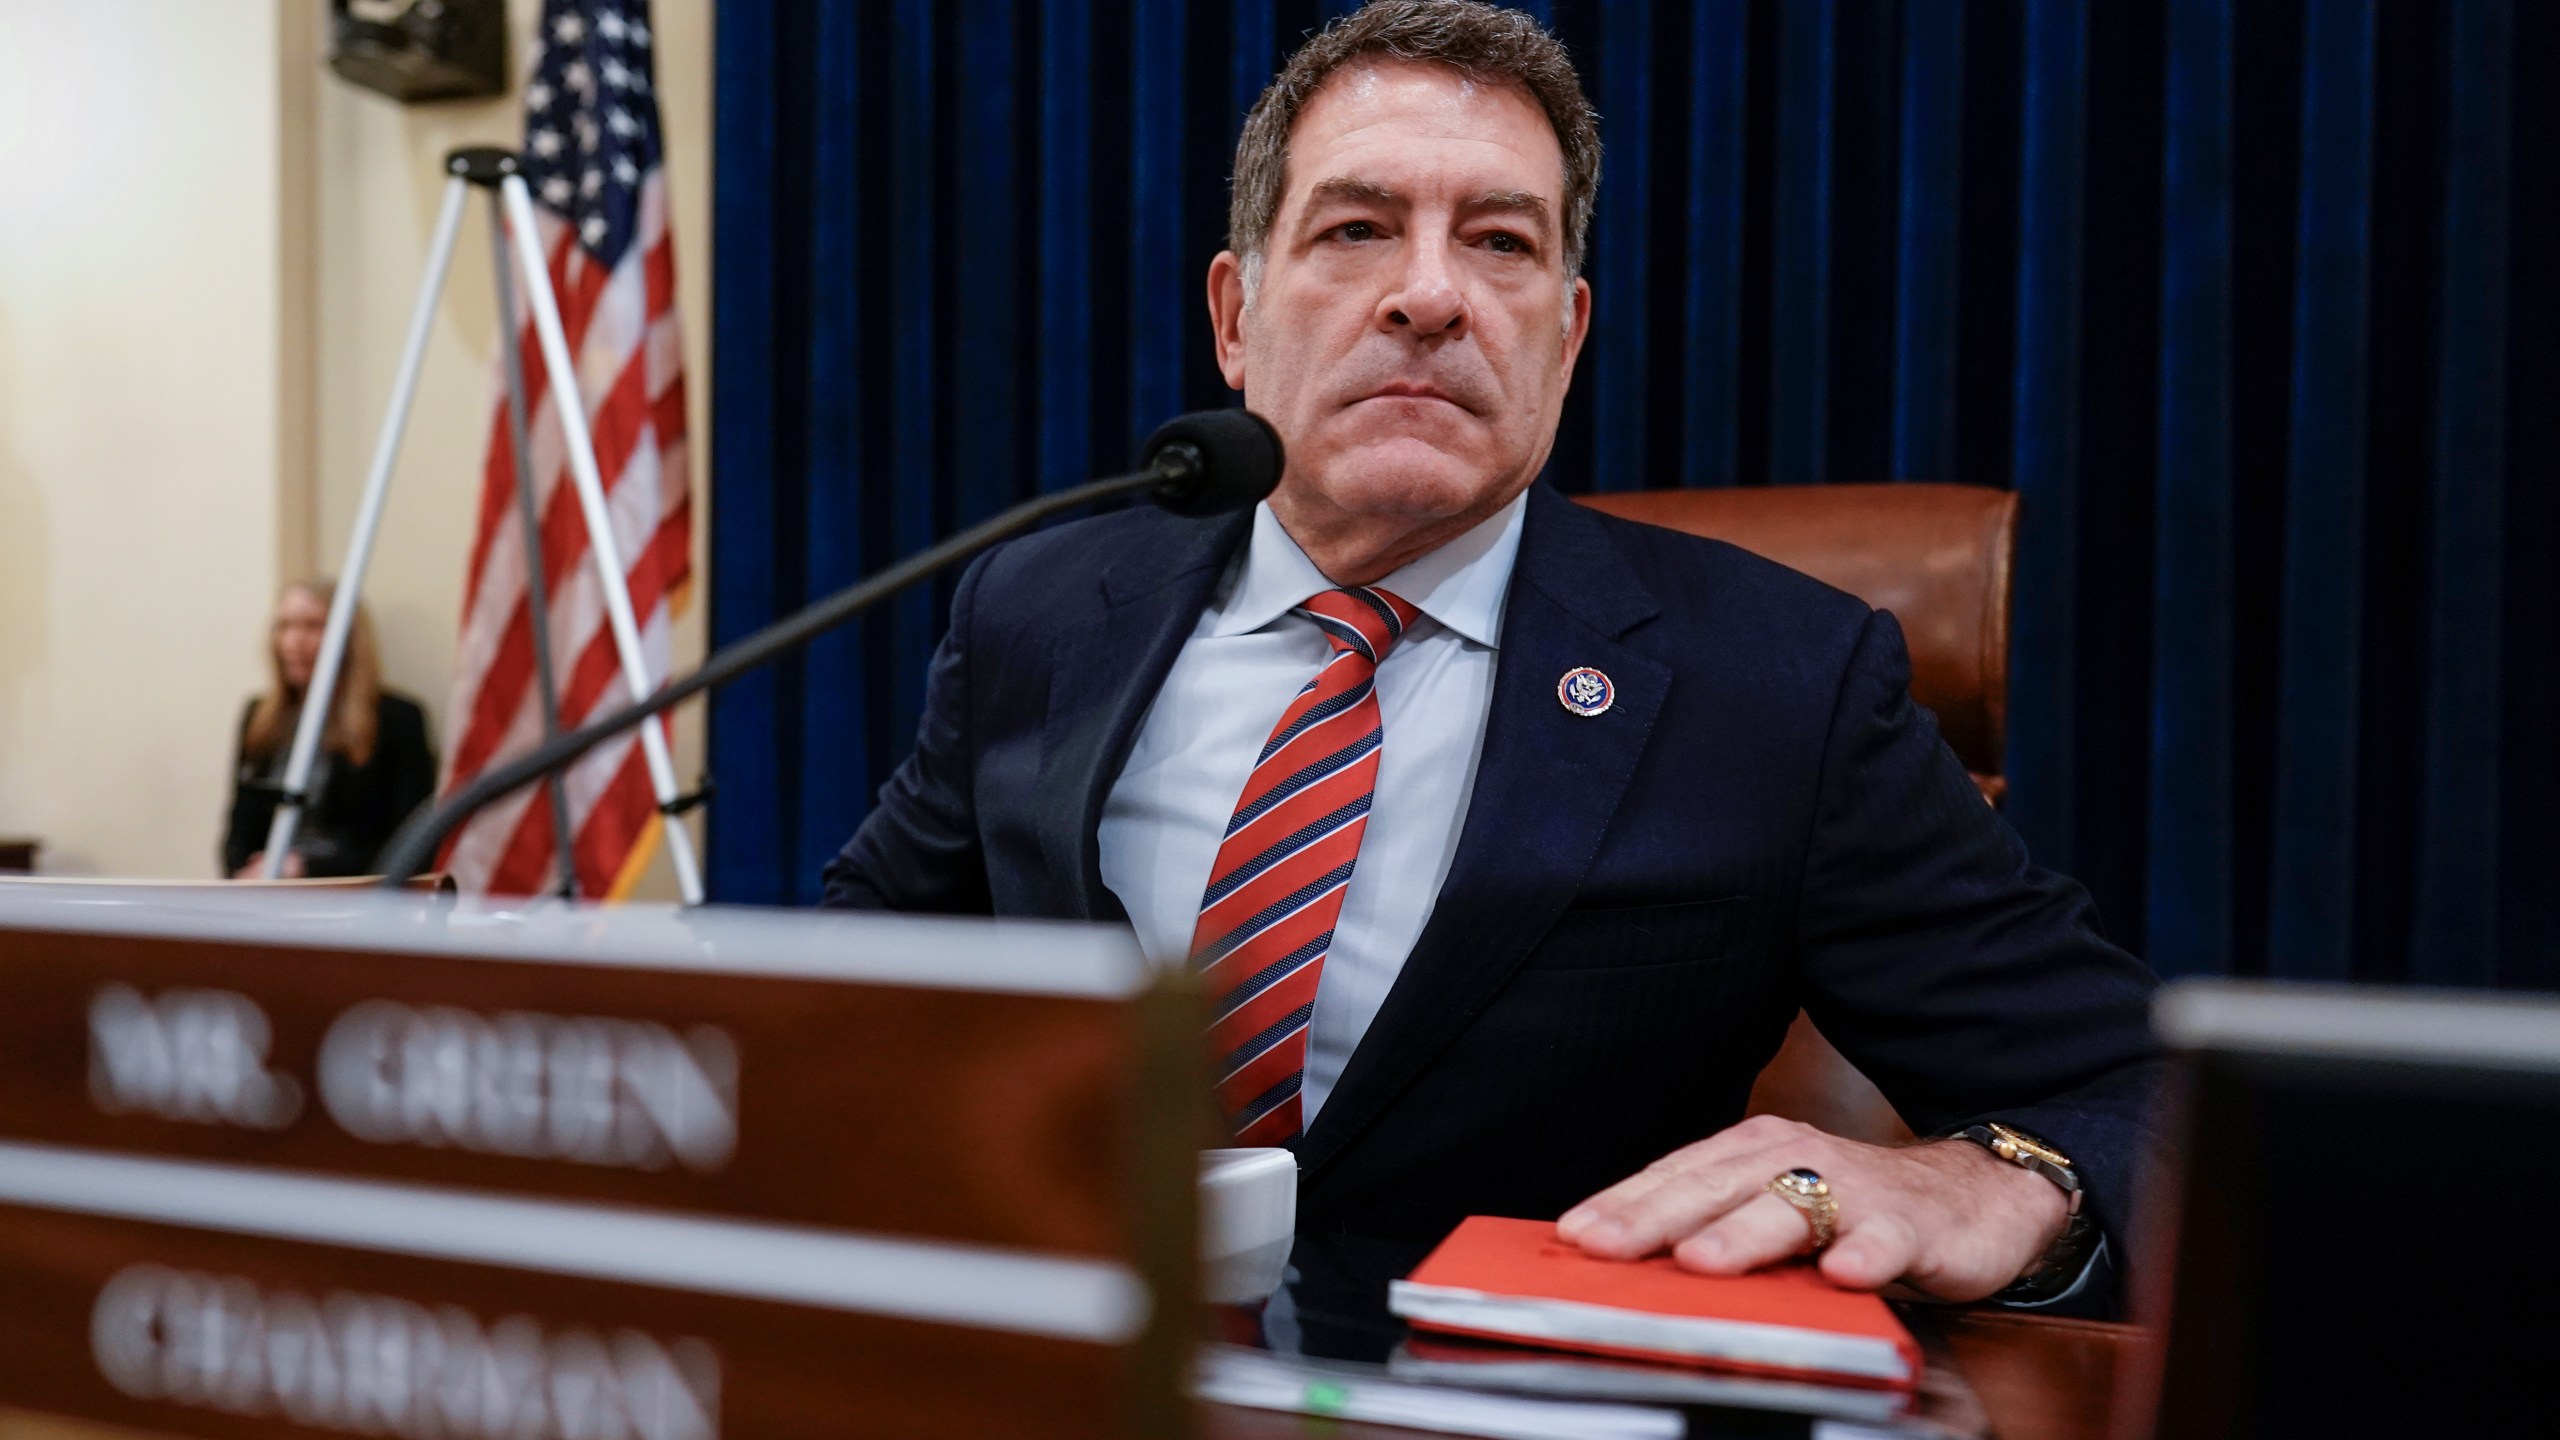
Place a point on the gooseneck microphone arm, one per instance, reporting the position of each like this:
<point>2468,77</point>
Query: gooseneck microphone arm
<point>1175,465</point>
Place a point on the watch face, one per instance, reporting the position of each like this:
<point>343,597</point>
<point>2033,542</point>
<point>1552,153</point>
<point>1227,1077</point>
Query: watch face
<point>2030,1146</point>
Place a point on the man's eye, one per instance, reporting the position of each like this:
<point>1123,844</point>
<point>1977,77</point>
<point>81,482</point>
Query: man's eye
<point>1356,230</point>
<point>1504,242</point>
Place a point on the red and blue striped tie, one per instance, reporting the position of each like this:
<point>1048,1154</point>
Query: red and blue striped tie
<point>1266,920</point>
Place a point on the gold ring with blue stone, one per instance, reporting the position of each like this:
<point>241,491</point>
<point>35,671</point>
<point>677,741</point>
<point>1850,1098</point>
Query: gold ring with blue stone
<point>1811,1196</point>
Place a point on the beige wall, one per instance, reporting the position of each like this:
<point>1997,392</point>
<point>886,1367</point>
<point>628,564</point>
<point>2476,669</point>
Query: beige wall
<point>335,190</point>
<point>140,417</point>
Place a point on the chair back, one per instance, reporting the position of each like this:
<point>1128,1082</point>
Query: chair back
<point>1938,556</point>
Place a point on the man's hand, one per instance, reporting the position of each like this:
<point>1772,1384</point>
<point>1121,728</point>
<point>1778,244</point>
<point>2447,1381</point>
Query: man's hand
<point>1945,1217</point>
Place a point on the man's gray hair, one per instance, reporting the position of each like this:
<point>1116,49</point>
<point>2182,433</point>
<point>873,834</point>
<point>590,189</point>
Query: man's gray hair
<point>1483,43</point>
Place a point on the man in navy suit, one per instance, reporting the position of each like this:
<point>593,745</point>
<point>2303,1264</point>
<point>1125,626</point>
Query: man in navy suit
<point>1509,837</point>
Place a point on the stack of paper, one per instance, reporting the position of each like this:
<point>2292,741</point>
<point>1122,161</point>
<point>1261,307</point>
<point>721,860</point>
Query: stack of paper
<point>1230,1375</point>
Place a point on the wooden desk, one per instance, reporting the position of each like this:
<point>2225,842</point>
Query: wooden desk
<point>2038,1379</point>
<point>2044,1379</point>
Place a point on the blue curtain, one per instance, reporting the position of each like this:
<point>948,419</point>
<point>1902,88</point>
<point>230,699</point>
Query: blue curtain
<point>2240,295</point>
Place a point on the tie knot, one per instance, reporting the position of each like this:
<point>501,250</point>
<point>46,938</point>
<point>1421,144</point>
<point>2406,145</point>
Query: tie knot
<point>1361,619</point>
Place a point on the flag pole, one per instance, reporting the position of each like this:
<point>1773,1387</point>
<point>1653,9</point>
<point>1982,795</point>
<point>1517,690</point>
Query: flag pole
<point>319,695</point>
<point>528,519</point>
<point>607,552</point>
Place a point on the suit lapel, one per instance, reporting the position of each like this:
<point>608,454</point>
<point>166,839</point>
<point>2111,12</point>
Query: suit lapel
<point>1106,676</point>
<point>1545,788</point>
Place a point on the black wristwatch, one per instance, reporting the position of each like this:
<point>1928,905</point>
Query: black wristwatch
<point>2060,1267</point>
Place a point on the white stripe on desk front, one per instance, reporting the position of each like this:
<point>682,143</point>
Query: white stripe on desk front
<point>937,952</point>
<point>979,1286</point>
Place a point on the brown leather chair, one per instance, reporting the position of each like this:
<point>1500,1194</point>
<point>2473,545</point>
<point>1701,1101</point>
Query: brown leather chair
<point>1939,558</point>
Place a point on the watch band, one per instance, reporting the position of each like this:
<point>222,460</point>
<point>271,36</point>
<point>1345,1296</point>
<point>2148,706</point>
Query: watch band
<point>2027,1153</point>
<point>2060,1265</point>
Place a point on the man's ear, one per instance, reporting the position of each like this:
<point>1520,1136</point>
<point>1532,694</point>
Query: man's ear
<point>1226,315</point>
<point>1577,327</point>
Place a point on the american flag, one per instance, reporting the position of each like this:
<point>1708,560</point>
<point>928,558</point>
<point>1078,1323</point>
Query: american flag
<point>592,155</point>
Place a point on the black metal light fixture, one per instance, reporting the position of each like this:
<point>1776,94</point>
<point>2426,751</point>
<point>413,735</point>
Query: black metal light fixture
<point>415,50</point>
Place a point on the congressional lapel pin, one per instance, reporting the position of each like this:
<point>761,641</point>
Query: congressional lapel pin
<point>1585,691</point>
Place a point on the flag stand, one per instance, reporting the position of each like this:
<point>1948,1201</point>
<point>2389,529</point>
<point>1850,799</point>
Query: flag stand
<point>497,171</point>
<point>537,593</point>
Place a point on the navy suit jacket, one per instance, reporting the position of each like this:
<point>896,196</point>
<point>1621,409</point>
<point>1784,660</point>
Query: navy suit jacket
<point>1640,900</point>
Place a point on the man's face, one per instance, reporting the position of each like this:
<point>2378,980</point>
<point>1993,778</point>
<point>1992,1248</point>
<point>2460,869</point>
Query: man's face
<point>1409,334</point>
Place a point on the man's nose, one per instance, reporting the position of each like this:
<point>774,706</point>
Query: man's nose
<point>1425,300</point>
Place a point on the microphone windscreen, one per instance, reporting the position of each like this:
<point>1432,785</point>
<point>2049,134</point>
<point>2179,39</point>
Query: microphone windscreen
<point>1239,459</point>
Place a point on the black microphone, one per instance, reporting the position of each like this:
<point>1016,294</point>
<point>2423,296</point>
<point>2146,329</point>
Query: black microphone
<point>1204,463</point>
<point>1233,459</point>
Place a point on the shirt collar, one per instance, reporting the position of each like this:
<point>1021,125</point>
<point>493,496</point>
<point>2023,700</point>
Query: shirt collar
<point>1461,585</point>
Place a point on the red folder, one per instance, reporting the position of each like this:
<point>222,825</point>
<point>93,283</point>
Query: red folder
<point>1514,1280</point>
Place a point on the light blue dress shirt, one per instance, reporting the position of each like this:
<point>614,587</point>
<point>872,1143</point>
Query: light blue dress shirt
<point>1245,660</point>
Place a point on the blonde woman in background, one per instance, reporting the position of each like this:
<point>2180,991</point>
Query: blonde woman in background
<point>375,765</point>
